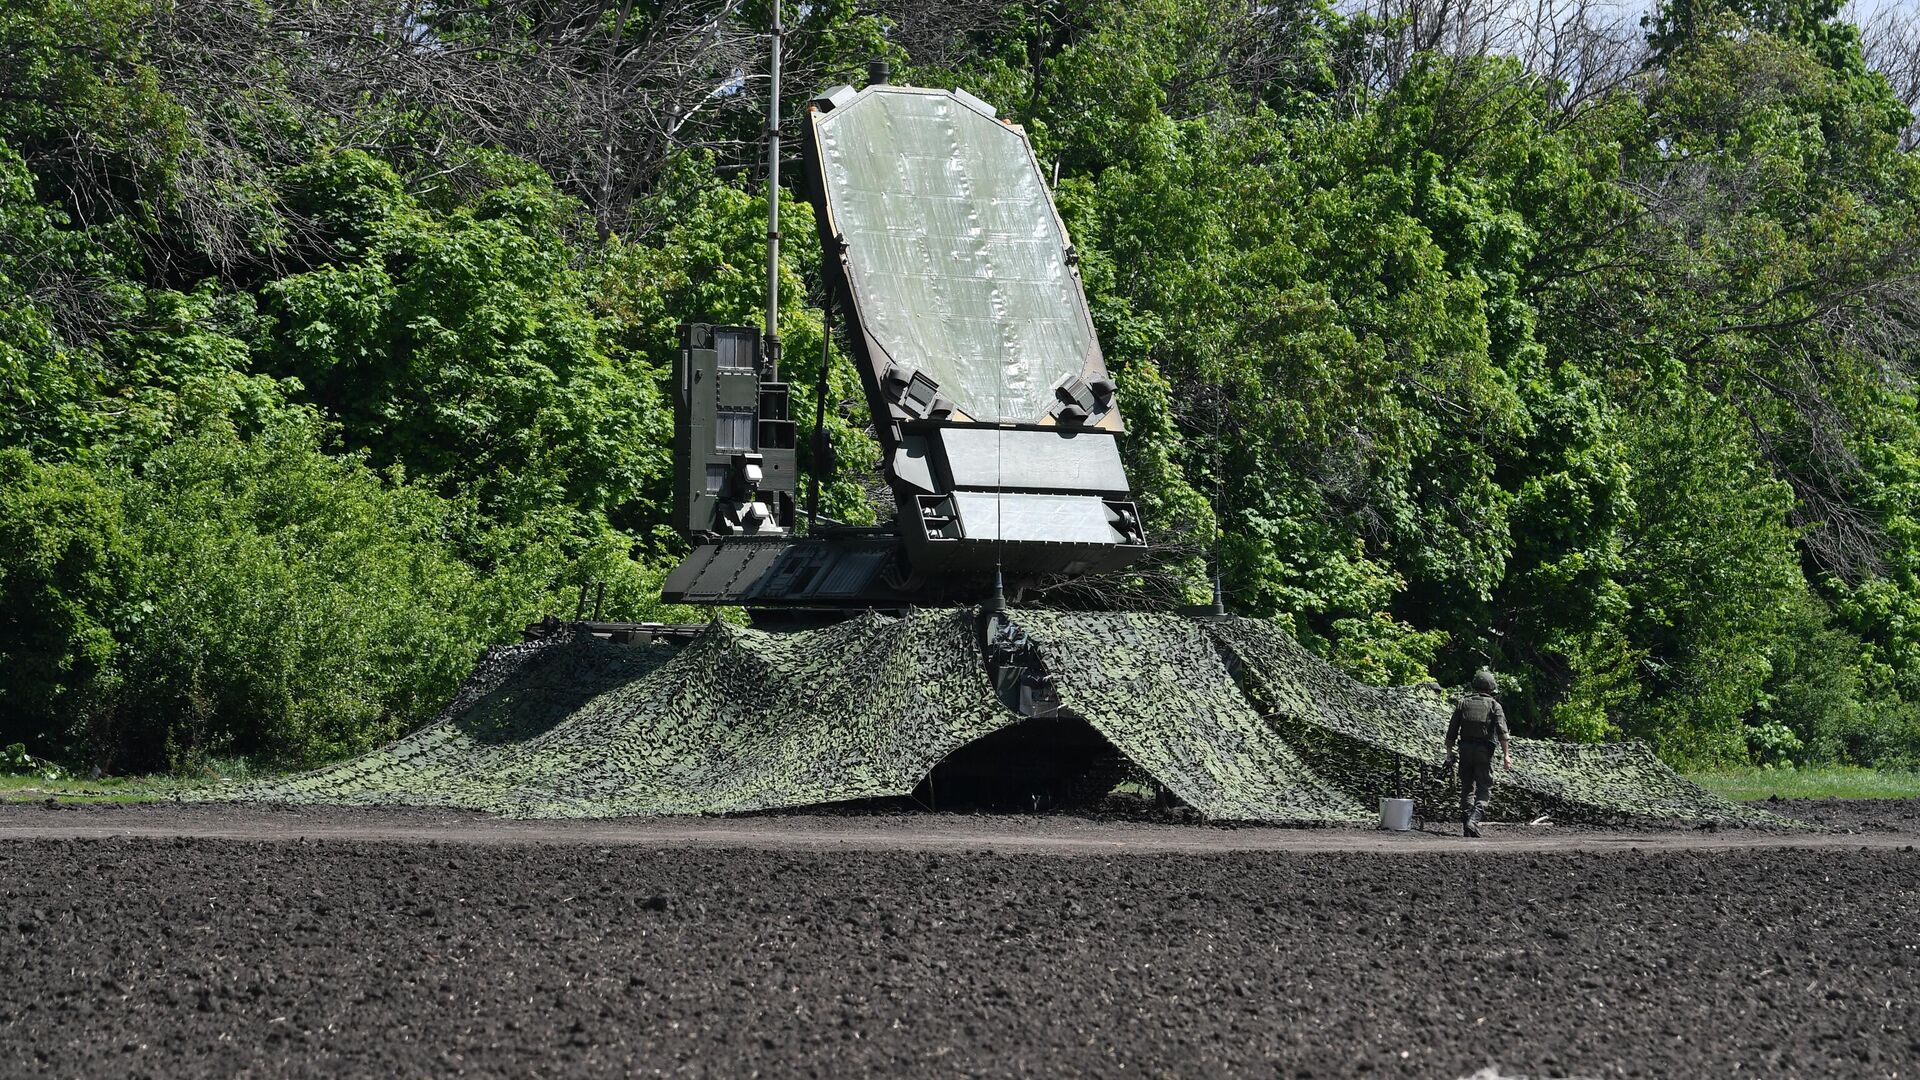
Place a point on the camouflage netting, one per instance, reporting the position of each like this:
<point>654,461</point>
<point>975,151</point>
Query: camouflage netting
<point>1233,717</point>
<point>1373,742</point>
<point>1157,689</point>
<point>737,720</point>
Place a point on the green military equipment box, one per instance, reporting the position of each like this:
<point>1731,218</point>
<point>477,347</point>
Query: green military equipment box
<point>732,437</point>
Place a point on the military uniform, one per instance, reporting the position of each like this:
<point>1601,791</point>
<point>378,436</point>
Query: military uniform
<point>1478,724</point>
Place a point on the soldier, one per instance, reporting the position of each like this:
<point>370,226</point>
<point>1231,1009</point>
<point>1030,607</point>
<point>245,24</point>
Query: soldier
<point>1478,723</point>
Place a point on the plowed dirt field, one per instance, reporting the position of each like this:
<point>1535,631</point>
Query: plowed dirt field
<point>172,941</point>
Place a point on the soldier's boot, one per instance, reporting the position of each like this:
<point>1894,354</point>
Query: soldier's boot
<point>1473,822</point>
<point>1467,826</point>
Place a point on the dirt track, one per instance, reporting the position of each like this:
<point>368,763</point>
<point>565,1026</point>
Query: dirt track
<point>1856,824</point>
<point>392,944</point>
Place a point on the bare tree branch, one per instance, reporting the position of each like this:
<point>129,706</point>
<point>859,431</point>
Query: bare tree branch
<point>1890,39</point>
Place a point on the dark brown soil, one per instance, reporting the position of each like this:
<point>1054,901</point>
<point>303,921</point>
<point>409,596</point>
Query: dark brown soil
<point>186,957</point>
<point>1852,815</point>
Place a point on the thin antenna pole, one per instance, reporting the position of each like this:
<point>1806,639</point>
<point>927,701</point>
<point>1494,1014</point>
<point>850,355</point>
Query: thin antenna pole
<point>994,618</point>
<point>1219,501</point>
<point>772,336</point>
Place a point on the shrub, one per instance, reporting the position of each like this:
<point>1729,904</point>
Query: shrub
<point>65,564</point>
<point>237,596</point>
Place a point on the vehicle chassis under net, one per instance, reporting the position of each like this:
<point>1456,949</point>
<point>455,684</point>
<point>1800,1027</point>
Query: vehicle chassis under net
<point>1229,715</point>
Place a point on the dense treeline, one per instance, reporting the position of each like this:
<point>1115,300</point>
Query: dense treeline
<point>332,338</point>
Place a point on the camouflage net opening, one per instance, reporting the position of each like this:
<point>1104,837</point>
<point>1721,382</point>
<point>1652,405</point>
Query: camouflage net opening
<point>1157,689</point>
<point>1231,716</point>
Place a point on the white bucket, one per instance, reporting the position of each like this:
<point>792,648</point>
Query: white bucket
<point>1396,815</point>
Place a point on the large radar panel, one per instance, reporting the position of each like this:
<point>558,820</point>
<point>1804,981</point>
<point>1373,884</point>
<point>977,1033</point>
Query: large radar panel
<point>967,317</point>
<point>956,263</point>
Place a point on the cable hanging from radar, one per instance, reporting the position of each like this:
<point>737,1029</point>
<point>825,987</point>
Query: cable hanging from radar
<point>820,445</point>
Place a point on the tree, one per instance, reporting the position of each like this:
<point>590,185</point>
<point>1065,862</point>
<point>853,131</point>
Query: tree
<point>460,345</point>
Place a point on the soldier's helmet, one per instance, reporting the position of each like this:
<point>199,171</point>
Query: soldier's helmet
<point>1483,682</point>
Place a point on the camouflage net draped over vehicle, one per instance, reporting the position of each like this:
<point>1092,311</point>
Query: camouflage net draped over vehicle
<point>1373,742</point>
<point>1231,716</point>
<point>737,720</point>
<point>1157,689</point>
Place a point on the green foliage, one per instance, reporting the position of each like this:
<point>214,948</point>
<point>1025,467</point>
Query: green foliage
<point>135,366</point>
<point>461,346</point>
<point>14,760</point>
<point>1710,565</point>
<point>1815,27</point>
<point>1454,392</point>
<point>278,587</point>
<point>1883,609</point>
<point>239,596</point>
<point>79,89</point>
<point>254,596</point>
<point>65,561</point>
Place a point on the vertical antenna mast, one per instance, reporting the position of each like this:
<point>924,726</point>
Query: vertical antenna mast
<point>772,336</point>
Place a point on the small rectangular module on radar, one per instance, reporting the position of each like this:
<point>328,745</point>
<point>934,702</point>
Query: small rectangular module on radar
<point>733,452</point>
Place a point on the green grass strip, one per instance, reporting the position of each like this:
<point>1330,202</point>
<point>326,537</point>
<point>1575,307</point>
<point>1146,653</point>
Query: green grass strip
<point>1821,782</point>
